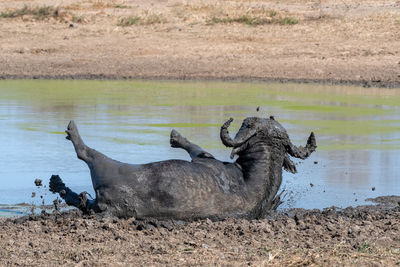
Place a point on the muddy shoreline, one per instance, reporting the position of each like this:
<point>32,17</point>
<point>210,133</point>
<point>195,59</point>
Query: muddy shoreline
<point>363,83</point>
<point>365,235</point>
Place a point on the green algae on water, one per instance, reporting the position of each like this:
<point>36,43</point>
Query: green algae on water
<point>139,107</point>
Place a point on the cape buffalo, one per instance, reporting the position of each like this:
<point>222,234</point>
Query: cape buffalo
<point>202,188</point>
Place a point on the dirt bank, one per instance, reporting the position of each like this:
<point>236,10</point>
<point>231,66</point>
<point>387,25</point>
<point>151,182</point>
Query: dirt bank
<point>362,236</point>
<point>345,41</point>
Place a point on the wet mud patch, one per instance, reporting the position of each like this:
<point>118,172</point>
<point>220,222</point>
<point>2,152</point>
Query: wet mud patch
<point>386,200</point>
<point>365,235</point>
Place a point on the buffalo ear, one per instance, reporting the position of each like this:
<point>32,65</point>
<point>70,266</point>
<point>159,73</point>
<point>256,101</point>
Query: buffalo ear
<point>288,165</point>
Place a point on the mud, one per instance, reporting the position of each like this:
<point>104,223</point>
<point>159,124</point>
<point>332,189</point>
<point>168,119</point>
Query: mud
<point>38,182</point>
<point>365,235</point>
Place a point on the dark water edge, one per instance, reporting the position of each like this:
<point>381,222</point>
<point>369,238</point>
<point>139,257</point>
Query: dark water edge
<point>24,209</point>
<point>364,83</point>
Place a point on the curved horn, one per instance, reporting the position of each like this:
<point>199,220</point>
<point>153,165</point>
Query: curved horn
<point>242,135</point>
<point>302,152</point>
<point>224,134</point>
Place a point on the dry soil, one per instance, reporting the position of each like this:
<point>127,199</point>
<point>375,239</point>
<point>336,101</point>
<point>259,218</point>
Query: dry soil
<point>318,40</point>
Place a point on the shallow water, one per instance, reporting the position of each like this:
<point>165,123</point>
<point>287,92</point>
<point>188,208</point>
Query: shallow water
<point>357,131</point>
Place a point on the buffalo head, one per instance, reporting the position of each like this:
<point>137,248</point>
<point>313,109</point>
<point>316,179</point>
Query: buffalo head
<point>265,131</point>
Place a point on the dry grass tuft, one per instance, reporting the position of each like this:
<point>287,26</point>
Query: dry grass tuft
<point>96,5</point>
<point>146,19</point>
<point>100,4</point>
<point>37,12</point>
<point>254,21</point>
<point>41,13</point>
<point>243,12</point>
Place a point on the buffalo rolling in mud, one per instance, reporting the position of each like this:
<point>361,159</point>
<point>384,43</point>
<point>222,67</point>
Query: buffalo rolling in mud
<point>202,188</point>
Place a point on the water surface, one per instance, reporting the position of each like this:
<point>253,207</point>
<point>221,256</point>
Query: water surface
<point>357,131</point>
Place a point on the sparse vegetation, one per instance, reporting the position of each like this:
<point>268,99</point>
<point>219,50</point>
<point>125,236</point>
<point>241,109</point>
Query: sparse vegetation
<point>121,6</point>
<point>78,19</point>
<point>129,21</point>
<point>153,19</point>
<point>148,19</point>
<point>37,12</point>
<point>363,248</point>
<point>100,4</point>
<point>40,13</point>
<point>288,21</point>
<point>254,21</point>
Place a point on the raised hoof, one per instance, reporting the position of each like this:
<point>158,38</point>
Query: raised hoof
<point>71,131</point>
<point>56,185</point>
<point>176,139</point>
<point>311,143</point>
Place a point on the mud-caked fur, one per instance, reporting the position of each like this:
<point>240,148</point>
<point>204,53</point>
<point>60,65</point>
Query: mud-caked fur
<point>202,188</point>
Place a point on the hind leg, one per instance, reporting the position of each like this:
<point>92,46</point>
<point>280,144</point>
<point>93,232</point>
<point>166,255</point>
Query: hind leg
<point>83,152</point>
<point>177,140</point>
<point>80,148</point>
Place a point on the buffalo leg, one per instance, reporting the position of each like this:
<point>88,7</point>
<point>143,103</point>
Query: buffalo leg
<point>71,198</point>
<point>83,152</point>
<point>177,140</point>
<point>288,165</point>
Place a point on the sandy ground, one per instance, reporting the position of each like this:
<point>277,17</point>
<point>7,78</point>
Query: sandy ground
<point>363,236</point>
<point>335,41</point>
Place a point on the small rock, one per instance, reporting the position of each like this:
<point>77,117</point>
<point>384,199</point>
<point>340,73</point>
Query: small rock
<point>190,243</point>
<point>330,227</point>
<point>373,188</point>
<point>107,226</point>
<point>38,182</point>
<point>71,25</point>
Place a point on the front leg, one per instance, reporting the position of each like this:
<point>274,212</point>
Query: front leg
<point>288,165</point>
<point>177,140</point>
<point>71,198</point>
